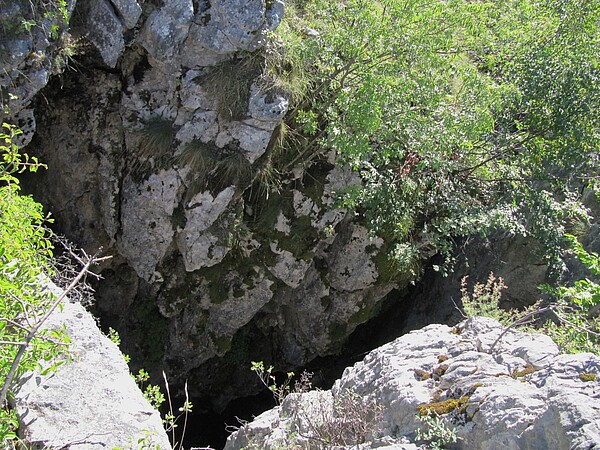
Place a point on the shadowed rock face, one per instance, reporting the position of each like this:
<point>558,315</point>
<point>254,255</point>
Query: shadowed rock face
<point>148,162</point>
<point>518,392</point>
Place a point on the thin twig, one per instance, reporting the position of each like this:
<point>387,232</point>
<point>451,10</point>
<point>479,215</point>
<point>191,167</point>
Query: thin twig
<point>12,343</point>
<point>458,309</point>
<point>519,321</point>
<point>579,327</point>
<point>170,406</point>
<point>185,419</point>
<point>13,323</point>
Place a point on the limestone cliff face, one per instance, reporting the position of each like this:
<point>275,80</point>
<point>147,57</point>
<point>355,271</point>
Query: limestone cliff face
<point>89,403</point>
<point>151,159</point>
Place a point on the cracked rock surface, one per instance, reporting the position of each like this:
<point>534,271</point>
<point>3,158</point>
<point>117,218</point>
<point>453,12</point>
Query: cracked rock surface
<point>515,393</point>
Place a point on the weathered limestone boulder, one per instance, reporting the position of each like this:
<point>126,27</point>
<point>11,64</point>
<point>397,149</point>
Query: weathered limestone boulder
<point>129,11</point>
<point>89,403</point>
<point>105,29</point>
<point>496,392</point>
<point>146,227</point>
<point>223,27</point>
<point>167,28</point>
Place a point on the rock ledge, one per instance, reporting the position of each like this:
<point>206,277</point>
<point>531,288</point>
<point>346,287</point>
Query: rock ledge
<point>91,403</point>
<point>522,395</point>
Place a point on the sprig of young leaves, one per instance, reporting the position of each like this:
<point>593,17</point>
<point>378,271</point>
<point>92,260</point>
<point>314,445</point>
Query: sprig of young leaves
<point>577,308</point>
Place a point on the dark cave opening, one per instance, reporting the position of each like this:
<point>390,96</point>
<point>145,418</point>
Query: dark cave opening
<point>427,301</point>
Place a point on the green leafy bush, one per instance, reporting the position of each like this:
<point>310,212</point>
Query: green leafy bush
<point>25,261</point>
<point>484,300</point>
<point>49,15</point>
<point>460,117</point>
<point>577,308</point>
<point>436,433</point>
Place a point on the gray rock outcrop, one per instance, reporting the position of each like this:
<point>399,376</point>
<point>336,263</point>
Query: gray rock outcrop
<point>33,46</point>
<point>151,158</point>
<point>89,403</point>
<point>517,392</point>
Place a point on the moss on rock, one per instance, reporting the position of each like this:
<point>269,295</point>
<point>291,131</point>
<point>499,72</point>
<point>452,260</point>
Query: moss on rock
<point>443,407</point>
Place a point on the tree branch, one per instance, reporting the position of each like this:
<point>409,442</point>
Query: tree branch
<point>34,330</point>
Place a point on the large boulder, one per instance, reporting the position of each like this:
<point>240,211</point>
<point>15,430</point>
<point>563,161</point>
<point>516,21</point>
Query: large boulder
<point>493,390</point>
<point>89,403</point>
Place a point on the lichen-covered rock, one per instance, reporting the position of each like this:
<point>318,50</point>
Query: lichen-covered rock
<point>166,29</point>
<point>89,403</point>
<point>287,268</point>
<point>146,224</point>
<point>223,27</point>
<point>105,30</point>
<point>29,54</point>
<point>212,245</point>
<point>263,110</point>
<point>514,393</point>
<point>351,269</point>
<point>129,10</point>
<point>198,247</point>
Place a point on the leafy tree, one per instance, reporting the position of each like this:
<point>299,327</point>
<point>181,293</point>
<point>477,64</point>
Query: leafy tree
<point>461,117</point>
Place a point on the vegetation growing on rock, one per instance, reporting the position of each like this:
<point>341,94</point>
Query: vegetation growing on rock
<point>25,253</point>
<point>460,117</point>
<point>443,407</point>
<point>25,259</point>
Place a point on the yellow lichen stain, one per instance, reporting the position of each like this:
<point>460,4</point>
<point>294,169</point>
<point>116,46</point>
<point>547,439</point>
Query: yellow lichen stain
<point>474,387</point>
<point>444,407</point>
<point>442,358</point>
<point>587,377</point>
<point>527,370</point>
<point>437,395</point>
<point>422,375</point>
<point>440,370</point>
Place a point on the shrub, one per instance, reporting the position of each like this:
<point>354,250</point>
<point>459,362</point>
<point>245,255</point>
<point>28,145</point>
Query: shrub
<point>25,261</point>
<point>460,117</point>
<point>484,299</point>
<point>436,433</point>
<point>577,308</point>
<point>352,421</point>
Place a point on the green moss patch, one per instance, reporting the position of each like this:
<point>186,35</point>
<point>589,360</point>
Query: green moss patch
<point>444,407</point>
<point>587,377</point>
<point>366,313</point>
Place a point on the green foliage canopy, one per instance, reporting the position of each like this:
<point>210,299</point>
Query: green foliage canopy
<point>460,116</point>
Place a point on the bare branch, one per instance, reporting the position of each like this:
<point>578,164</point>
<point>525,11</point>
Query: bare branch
<point>34,330</point>
<point>520,321</point>
<point>12,343</point>
<point>578,327</point>
<point>14,324</point>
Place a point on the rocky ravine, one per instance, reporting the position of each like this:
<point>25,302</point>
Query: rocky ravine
<point>150,160</point>
<point>517,393</point>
